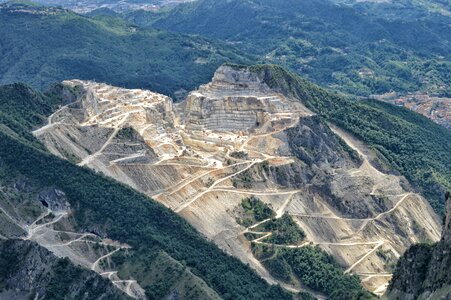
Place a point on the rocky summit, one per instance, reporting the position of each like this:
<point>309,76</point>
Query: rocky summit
<point>236,139</point>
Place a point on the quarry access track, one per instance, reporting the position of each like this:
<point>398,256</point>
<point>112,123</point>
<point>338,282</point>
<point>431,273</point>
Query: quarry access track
<point>281,210</point>
<point>50,123</point>
<point>183,206</point>
<point>89,158</point>
<point>264,235</point>
<point>377,244</point>
<point>198,177</point>
<point>38,227</point>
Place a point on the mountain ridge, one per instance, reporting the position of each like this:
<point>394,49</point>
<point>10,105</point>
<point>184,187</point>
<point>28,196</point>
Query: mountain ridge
<point>74,48</point>
<point>230,137</point>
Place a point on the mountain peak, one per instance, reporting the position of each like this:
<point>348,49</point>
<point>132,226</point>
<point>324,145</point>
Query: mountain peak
<point>236,75</point>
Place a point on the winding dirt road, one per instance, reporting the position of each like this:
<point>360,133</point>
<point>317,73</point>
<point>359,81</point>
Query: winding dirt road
<point>182,207</point>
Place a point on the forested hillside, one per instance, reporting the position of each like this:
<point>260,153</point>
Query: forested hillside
<point>335,46</point>
<point>41,46</point>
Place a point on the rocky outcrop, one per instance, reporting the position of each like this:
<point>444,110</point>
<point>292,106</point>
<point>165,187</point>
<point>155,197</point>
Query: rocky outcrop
<point>424,270</point>
<point>235,100</point>
<point>29,271</point>
<point>54,199</point>
<point>313,142</point>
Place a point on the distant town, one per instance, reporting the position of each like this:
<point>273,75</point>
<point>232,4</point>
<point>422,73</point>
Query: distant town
<point>437,109</point>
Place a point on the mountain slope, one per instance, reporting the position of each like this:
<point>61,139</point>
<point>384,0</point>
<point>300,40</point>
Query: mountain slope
<point>29,271</point>
<point>423,271</point>
<point>41,46</point>
<point>117,229</point>
<point>410,143</point>
<point>335,46</point>
<point>248,163</point>
<point>404,9</point>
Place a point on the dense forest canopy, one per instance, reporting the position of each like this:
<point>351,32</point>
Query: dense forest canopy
<point>42,46</point>
<point>341,47</point>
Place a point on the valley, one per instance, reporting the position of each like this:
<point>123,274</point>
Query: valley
<point>233,138</point>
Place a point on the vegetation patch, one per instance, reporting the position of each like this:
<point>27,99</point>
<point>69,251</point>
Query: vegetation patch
<point>243,180</point>
<point>240,155</point>
<point>246,179</point>
<point>316,269</point>
<point>252,210</point>
<point>284,231</point>
<point>126,133</point>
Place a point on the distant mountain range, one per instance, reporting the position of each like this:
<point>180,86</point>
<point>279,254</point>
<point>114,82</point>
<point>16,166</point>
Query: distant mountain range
<point>401,9</point>
<point>45,45</point>
<point>336,46</point>
<point>86,6</point>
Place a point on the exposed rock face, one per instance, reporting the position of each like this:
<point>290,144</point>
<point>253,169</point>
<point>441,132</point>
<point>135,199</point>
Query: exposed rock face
<point>314,143</point>
<point>424,270</point>
<point>233,138</point>
<point>234,101</point>
<point>107,106</point>
<point>29,271</point>
<point>54,199</point>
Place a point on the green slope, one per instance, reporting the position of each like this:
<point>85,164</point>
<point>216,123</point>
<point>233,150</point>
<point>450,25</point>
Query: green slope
<point>335,46</point>
<point>122,213</point>
<point>41,46</point>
